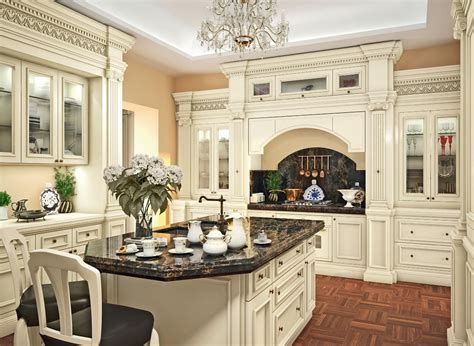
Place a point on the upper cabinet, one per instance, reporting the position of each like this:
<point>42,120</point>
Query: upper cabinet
<point>45,118</point>
<point>429,157</point>
<point>10,109</point>
<point>261,89</point>
<point>211,160</point>
<point>349,80</point>
<point>304,85</point>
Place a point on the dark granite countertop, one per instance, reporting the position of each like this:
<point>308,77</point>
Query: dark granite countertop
<point>284,234</point>
<point>329,209</point>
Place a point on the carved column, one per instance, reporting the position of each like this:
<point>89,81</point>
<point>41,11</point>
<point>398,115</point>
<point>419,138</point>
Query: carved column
<point>380,161</point>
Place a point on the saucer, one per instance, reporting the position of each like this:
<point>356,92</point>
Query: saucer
<point>126,253</point>
<point>262,242</point>
<point>142,255</point>
<point>186,251</point>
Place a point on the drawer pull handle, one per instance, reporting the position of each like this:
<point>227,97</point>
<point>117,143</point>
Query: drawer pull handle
<point>280,263</point>
<point>54,241</point>
<point>299,274</point>
<point>310,243</point>
<point>412,256</point>
<point>280,329</point>
<point>272,291</point>
<point>298,308</point>
<point>412,232</point>
<point>298,251</point>
<point>306,262</point>
<point>260,276</point>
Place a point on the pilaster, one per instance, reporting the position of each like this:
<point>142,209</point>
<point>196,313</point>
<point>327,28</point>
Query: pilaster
<point>380,160</point>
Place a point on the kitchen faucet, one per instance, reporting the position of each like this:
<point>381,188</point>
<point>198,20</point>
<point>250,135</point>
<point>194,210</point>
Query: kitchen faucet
<point>221,221</point>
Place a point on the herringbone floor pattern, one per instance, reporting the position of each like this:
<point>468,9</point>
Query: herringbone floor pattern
<point>354,312</point>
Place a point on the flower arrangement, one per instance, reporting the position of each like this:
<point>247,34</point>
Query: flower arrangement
<point>148,183</point>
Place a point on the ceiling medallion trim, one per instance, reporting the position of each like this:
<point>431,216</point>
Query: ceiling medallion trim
<point>428,85</point>
<point>30,18</point>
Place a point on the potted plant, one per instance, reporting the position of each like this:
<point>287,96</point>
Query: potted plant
<point>273,185</point>
<point>65,184</point>
<point>5,200</point>
<point>146,186</point>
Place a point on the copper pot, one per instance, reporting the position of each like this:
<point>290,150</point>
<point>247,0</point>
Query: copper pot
<point>293,194</point>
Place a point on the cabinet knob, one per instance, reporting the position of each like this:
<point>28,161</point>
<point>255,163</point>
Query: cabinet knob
<point>87,235</point>
<point>310,243</point>
<point>302,95</point>
<point>75,251</point>
<point>334,219</point>
<point>70,251</point>
<point>278,292</point>
<point>447,258</point>
<point>298,251</point>
<point>56,160</point>
<point>432,198</point>
<point>306,262</point>
<point>261,98</point>
<point>54,241</point>
<point>260,276</point>
<point>298,308</point>
<point>447,234</point>
<point>299,274</point>
<point>280,263</point>
<point>378,170</point>
<point>412,232</point>
<point>348,91</point>
<point>427,198</point>
<point>280,329</point>
<point>412,256</point>
<point>60,160</point>
<point>272,291</point>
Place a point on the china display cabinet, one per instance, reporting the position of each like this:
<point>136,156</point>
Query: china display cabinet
<point>10,109</point>
<point>43,114</point>
<point>211,159</point>
<point>430,162</point>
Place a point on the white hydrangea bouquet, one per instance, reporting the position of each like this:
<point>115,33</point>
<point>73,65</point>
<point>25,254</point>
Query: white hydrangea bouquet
<point>148,184</point>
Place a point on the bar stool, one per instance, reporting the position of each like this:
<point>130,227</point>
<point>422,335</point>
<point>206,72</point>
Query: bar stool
<point>24,294</point>
<point>101,323</point>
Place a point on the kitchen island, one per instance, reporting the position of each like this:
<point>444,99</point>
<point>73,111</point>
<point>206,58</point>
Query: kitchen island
<point>260,295</point>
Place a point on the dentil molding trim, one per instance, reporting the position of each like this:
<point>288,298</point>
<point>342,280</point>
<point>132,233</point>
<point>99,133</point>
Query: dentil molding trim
<point>198,101</point>
<point>34,15</point>
<point>428,80</point>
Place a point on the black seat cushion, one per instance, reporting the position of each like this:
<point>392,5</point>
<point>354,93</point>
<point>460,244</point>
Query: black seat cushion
<point>121,325</point>
<point>79,292</point>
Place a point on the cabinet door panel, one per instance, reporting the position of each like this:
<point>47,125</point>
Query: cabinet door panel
<point>258,320</point>
<point>350,235</point>
<point>40,122</point>
<point>203,159</point>
<point>223,159</point>
<point>10,109</point>
<point>73,143</point>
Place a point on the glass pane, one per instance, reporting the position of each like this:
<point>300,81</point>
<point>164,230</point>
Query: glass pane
<point>349,81</point>
<point>204,141</point>
<point>446,152</point>
<point>73,104</point>
<point>223,135</point>
<point>6,109</point>
<point>261,89</point>
<point>318,242</point>
<point>313,84</point>
<point>39,113</point>
<point>414,139</point>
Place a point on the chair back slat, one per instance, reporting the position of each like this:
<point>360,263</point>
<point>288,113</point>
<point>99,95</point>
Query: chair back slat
<point>12,240</point>
<point>57,266</point>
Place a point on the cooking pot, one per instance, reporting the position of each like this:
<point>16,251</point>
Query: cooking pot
<point>293,194</point>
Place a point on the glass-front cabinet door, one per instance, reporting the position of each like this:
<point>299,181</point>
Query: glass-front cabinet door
<point>223,137</point>
<point>203,156</point>
<point>415,157</point>
<point>73,120</point>
<point>10,109</point>
<point>445,161</point>
<point>40,122</point>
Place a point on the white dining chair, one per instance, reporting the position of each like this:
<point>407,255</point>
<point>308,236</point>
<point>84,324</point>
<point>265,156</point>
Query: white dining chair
<point>101,323</point>
<point>26,329</point>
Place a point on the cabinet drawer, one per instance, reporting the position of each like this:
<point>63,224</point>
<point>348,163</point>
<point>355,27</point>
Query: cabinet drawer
<point>311,243</point>
<point>287,260</point>
<point>288,317</point>
<point>424,231</point>
<point>85,234</point>
<point>427,257</point>
<point>287,284</point>
<point>54,240</point>
<point>259,280</point>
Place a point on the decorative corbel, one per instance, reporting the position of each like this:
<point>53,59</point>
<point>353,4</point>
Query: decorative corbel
<point>236,111</point>
<point>114,75</point>
<point>381,101</point>
<point>460,24</point>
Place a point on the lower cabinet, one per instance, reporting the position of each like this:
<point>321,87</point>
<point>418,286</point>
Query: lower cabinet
<point>349,240</point>
<point>280,303</point>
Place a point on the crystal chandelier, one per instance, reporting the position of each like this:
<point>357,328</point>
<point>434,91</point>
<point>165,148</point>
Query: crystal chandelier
<point>240,25</point>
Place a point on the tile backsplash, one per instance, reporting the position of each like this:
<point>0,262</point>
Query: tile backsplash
<point>342,173</point>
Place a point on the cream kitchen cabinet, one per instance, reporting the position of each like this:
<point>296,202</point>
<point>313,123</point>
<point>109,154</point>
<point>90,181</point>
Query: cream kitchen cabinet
<point>349,80</point>
<point>301,85</point>
<point>261,89</point>
<point>44,115</point>
<point>211,159</point>
<point>349,240</point>
<point>429,156</point>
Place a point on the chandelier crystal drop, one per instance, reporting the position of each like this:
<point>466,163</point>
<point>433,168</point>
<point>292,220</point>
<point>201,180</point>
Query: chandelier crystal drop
<point>242,25</point>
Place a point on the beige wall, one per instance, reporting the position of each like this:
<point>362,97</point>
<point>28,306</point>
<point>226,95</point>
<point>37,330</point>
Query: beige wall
<point>294,140</point>
<point>441,55</point>
<point>198,82</point>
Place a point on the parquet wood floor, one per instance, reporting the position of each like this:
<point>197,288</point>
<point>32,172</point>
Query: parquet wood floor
<point>354,312</point>
<point>357,313</point>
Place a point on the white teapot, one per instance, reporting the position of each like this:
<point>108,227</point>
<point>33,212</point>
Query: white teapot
<point>214,243</point>
<point>238,236</point>
<point>194,232</point>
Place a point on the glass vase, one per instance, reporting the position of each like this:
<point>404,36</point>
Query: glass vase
<point>144,225</point>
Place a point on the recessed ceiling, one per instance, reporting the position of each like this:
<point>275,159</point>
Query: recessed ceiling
<point>166,29</point>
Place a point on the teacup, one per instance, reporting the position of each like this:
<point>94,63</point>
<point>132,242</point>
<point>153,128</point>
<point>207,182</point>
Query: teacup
<point>180,244</point>
<point>148,247</point>
<point>262,236</point>
<point>132,248</point>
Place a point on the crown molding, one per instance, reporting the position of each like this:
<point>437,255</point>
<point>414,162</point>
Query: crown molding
<point>428,80</point>
<point>198,101</point>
